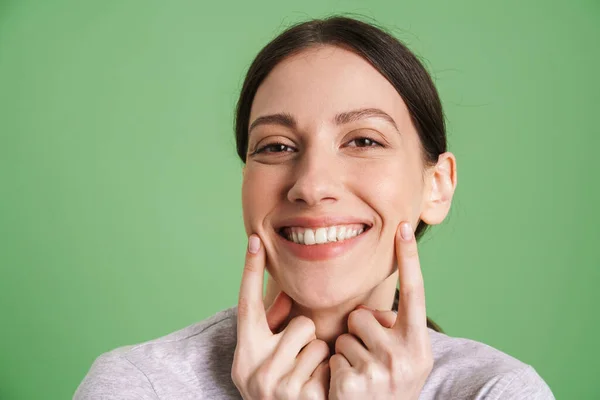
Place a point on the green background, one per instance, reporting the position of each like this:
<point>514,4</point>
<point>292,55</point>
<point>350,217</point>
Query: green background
<point>120,217</point>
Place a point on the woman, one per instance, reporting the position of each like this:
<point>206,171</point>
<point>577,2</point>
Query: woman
<point>342,134</point>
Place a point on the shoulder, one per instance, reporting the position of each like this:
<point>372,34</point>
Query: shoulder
<point>191,362</point>
<point>465,368</point>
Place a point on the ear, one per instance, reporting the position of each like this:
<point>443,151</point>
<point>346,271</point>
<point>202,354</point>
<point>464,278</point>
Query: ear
<point>440,183</point>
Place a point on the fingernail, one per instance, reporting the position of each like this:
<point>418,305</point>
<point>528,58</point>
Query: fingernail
<point>253,244</point>
<point>406,231</point>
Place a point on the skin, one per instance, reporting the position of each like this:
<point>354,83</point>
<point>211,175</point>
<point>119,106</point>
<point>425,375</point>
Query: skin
<point>369,169</point>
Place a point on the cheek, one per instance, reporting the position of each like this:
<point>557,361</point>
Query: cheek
<point>388,186</point>
<point>259,195</point>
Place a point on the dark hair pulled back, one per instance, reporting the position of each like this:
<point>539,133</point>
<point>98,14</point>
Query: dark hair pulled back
<point>385,53</point>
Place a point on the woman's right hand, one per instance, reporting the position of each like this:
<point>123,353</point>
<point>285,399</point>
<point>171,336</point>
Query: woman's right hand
<point>291,364</point>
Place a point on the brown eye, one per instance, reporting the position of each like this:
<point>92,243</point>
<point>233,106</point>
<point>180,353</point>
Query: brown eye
<point>363,142</point>
<point>275,148</point>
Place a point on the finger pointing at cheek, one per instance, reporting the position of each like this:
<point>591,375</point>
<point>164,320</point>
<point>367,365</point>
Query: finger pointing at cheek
<point>393,357</point>
<point>268,364</point>
<point>412,316</point>
<point>251,311</point>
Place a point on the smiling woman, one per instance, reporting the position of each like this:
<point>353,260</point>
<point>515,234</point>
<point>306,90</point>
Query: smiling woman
<point>343,138</point>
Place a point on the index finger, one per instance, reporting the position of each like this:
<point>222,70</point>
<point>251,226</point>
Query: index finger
<point>412,315</point>
<point>251,309</point>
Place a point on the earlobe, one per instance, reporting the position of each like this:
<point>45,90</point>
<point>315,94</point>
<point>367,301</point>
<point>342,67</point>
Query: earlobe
<point>442,181</point>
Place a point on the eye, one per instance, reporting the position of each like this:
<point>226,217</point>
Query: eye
<point>363,142</point>
<point>274,148</point>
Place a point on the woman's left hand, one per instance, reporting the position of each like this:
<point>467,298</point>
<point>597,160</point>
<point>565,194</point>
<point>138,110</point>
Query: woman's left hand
<point>396,358</point>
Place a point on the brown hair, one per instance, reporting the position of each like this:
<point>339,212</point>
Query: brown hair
<point>385,53</point>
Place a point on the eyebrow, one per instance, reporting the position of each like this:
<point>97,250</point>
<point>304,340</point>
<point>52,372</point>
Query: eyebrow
<point>288,120</point>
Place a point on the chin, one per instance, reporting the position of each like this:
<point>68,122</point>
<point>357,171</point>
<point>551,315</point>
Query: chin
<point>320,294</point>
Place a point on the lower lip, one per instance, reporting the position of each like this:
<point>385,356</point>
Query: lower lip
<point>318,252</point>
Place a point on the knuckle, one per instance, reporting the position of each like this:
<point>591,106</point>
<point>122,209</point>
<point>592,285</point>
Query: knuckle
<point>398,367</point>
<point>354,318</point>
<point>396,362</point>
<point>403,370</point>
<point>263,373</point>
<point>256,388</point>
<point>348,384</point>
<point>236,376</point>
<point>428,365</point>
<point>287,388</point>
<point>410,290</point>
<point>319,347</point>
<point>410,250</point>
<point>373,373</point>
<point>243,307</point>
<point>310,391</point>
<point>263,382</point>
<point>389,358</point>
<point>342,340</point>
<point>421,349</point>
<point>304,324</point>
<point>406,289</point>
<point>423,353</point>
<point>239,371</point>
<point>250,266</point>
<point>339,342</point>
<point>389,318</point>
<point>428,369</point>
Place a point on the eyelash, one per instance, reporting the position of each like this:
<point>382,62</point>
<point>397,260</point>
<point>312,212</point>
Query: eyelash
<point>281,145</point>
<point>369,139</point>
<point>271,145</point>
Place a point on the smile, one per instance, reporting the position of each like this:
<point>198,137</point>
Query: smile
<point>322,235</point>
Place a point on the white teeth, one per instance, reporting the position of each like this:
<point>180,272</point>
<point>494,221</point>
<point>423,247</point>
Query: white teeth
<point>309,237</point>
<point>341,233</point>
<point>331,234</point>
<point>321,235</point>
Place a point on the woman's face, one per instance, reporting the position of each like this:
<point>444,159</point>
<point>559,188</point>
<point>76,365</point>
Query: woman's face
<point>315,160</point>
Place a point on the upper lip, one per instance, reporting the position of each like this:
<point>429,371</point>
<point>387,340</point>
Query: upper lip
<point>319,222</point>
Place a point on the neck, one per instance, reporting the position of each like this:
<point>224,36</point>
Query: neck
<point>333,321</point>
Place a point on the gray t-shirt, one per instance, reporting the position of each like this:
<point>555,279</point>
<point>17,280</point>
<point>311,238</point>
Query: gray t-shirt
<point>195,363</point>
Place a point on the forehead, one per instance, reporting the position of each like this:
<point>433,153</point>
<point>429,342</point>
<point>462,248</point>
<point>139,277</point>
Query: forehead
<point>320,82</point>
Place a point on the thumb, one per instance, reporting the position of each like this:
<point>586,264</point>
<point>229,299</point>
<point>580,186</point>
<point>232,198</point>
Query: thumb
<point>278,311</point>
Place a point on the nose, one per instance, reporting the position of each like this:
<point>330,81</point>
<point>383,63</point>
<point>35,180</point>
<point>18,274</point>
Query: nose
<point>317,179</point>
